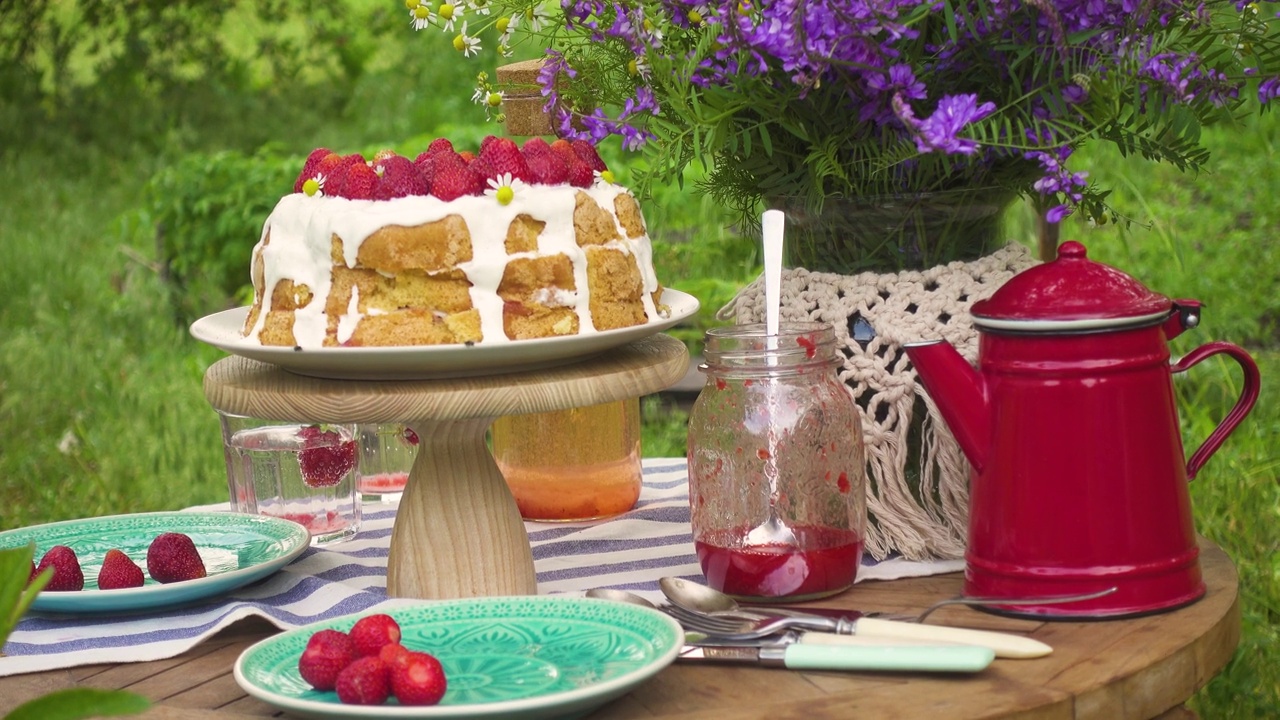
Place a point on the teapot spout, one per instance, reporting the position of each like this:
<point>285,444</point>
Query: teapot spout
<point>960,393</point>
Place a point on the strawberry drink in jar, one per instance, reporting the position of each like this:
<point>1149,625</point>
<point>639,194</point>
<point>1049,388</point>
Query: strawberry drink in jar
<point>776,474</point>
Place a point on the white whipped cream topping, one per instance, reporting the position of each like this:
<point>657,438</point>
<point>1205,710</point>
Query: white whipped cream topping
<point>301,228</point>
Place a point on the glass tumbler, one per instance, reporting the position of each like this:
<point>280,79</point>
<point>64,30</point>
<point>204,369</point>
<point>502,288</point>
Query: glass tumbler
<point>576,464</point>
<point>387,453</point>
<point>298,471</point>
<point>777,483</point>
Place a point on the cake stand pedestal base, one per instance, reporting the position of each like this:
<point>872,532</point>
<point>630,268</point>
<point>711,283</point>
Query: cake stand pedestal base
<point>457,532</point>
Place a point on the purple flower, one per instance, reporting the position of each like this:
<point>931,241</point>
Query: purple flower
<point>941,130</point>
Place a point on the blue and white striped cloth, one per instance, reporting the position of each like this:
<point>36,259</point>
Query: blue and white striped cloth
<point>633,551</point>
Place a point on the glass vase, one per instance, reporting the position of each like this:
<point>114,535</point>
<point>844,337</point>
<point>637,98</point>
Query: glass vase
<point>889,233</point>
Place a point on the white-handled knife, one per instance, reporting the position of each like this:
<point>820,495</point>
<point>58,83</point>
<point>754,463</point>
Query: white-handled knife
<point>865,657</point>
<point>1004,645</point>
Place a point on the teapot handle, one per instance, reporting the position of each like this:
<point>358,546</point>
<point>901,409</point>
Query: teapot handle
<point>1248,396</point>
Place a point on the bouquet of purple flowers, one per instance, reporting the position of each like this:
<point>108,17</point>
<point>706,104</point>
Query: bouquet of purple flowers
<point>822,99</point>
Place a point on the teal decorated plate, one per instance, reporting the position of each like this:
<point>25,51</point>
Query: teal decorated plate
<point>522,658</point>
<point>236,548</point>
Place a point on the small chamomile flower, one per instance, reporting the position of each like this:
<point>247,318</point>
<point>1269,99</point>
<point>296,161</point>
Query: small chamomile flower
<point>466,44</point>
<point>449,14</point>
<point>504,24</point>
<point>314,186</point>
<point>480,7</point>
<point>537,17</point>
<point>421,16</point>
<point>605,176</point>
<point>504,188</point>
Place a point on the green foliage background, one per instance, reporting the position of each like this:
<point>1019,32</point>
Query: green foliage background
<point>101,407</point>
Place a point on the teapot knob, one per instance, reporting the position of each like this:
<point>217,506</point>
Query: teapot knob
<point>1073,250</point>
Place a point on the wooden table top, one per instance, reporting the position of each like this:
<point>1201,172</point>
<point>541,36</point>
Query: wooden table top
<point>1117,669</point>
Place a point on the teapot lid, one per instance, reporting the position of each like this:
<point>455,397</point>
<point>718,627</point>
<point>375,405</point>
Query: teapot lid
<point>1071,293</point>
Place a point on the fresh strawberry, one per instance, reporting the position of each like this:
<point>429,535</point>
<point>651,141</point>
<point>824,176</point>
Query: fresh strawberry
<point>309,167</point>
<point>587,153</point>
<point>440,145</point>
<point>35,572</point>
<point>360,183</point>
<point>565,149</point>
<point>534,145</point>
<point>426,165</point>
<point>67,574</point>
<point>364,682</point>
<point>399,178</point>
<point>119,571</point>
<point>410,436</point>
<point>172,557</point>
<point>326,654</point>
<point>453,179</point>
<point>325,458</point>
<point>371,633</point>
<point>488,140</point>
<point>393,654</point>
<point>417,678</point>
<point>336,178</point>
<point>547,168</point>
<point>580,174</point>
<point>501,157</point>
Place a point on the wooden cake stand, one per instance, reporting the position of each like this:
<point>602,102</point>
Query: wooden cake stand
<point>457,531</point>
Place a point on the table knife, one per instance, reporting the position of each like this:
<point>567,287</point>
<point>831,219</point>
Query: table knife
<point>1004,645</point>
<point>803,656</point>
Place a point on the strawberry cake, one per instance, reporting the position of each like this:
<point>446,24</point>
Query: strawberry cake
<point>507,243</point>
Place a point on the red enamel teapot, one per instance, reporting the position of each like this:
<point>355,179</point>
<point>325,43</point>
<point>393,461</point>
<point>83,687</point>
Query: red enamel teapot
<point>1079,478</point>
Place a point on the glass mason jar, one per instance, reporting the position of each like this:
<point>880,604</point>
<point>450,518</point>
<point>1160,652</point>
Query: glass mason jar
<point>576,464</point>
<point>777,483</point>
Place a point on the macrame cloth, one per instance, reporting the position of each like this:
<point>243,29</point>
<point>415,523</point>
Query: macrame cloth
<point>874,315</point>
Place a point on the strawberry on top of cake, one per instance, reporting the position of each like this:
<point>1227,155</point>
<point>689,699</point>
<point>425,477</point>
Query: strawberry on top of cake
<point>507,243</point>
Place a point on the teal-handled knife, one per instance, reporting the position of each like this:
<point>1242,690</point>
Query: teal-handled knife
<point>868,657</point>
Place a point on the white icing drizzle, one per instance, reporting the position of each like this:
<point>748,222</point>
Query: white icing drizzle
<point>301,228</point>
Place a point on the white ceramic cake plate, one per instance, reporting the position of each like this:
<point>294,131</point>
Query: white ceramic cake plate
<point>427,362</point>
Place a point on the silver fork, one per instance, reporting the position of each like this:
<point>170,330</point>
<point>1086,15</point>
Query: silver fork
<point>749,625</point>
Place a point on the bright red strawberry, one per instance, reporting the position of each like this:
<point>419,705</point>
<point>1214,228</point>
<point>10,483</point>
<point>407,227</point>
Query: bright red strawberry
<point>453,179</point>
<point>534,145</point>
<point>172,557</point>
<point>336,179</point>
<point>486,141</point>
<point>325,458</point>
<point>501,157</point>
<point>310,166</point>
<point>586,152</point>
<point>67,574</point>
<point>393,654</point>
<point>580,174</point>
<point>326,654</point>
<point>440,145</point>
<point>361,182</point>
<point>370,633</point>
<point>547,168</point>
<point>119,571</point>
<point>410,436</point>
<point>399,178</point>
<point>565,149</point>
<point>364,682</point>
<point>417,678</point>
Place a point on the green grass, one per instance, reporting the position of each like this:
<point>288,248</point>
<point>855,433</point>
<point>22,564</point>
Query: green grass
<point>102,411</point>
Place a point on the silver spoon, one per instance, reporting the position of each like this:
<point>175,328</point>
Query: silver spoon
<point>620,596</point>
<point>702,599</point>
<point>772,531</point>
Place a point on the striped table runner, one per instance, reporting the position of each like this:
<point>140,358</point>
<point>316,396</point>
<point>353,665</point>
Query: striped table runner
<point>632,552</point>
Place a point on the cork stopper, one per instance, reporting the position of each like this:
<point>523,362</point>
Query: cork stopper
<point>522,101</point>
